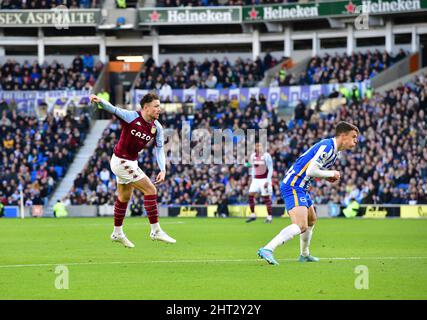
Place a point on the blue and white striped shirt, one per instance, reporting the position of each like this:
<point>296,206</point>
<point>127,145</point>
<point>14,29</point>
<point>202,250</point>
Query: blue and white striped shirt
<point>324,154</point>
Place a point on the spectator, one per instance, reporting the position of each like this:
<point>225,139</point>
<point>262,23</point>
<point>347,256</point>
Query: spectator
<point>356,67</point>
<point>53,76</point>
<point>104,175</point>
<point>29,147</point>
<point>389,164</point>
<point>206,74</point>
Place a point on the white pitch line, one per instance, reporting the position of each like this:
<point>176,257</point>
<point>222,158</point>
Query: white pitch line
<point>106,224</point>
<point>195,261</point>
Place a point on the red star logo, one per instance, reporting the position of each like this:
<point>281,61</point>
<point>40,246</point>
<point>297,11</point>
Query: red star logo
<point>253,14</point>
<point>350,7</point>
<point>154,16</point>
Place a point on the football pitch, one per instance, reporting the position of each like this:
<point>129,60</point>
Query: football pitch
<point>213,258</point>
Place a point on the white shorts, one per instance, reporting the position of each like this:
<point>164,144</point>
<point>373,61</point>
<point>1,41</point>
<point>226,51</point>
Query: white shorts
<point>257,186</point>
<point>126,171</point>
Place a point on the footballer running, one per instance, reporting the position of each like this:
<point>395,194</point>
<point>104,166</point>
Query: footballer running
<point>314,163</point>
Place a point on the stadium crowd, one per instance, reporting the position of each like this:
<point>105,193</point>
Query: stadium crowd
<point>81,75</point>
<point>212,74</point>
<point>389,164</point>
<point>205,3</point>
<point>35,153</point>
<point>48,4</point>
<point>340,68</point>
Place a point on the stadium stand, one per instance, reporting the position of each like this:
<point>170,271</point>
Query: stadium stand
<point>82,74</point>
<point>388,166</point>
<point>206,74</point>
<point>205,3</point>
<point>47,4</point>
<point>340,68</point>
<point>36,153</point>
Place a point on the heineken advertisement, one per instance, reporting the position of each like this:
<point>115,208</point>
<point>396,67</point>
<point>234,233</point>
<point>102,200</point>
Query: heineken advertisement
<point>61,17</point>
<point>56,18</point>
<point>330,9</point>
<point>209,15</point>
<point>282,12</point>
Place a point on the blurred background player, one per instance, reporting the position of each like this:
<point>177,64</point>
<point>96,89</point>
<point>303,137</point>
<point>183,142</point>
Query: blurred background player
<point>262,172</point>
<point>138,129</point>
<point>314,163</point>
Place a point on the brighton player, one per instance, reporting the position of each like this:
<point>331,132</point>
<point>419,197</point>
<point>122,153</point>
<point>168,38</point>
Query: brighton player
<point>314,163</point>
<point>262,172</point>
<point>138,129</point>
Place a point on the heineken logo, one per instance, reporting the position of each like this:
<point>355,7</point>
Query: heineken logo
<point>191,16</point>
<point>390,6</point>
<point>276,12</point>
<point>253,14</point>
<point>282,12</point>
<point>154,16</point>
<point>351,8</point>
<point>383,6</point>
<point>200,16</point>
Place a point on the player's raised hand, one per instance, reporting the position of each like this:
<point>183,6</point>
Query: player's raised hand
<point>94,99</point>
<point>160,177</point>
<point>335,178</point>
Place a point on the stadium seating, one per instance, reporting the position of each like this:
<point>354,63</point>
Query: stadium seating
<point>340,68</point>
<point>47,4</point>
<point>206,74</point>
<point>36,154</point>
<point>389,164</point>
<point>201,3</point>
<point>82,74</point>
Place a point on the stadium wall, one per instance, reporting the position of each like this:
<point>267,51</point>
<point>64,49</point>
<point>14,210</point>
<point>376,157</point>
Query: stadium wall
<point>67,60</point>
<point>239,211</point>
<point>402,68</point>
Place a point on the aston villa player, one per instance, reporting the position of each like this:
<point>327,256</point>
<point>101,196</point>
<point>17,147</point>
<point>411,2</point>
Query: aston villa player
<point>138,129</point>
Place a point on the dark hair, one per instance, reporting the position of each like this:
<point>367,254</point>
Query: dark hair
<point>149,97</point>
<point>344,127</point>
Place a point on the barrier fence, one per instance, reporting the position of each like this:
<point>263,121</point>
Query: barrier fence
<point>323,211</point>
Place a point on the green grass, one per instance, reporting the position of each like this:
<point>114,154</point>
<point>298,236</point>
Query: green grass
<point>394,250</point>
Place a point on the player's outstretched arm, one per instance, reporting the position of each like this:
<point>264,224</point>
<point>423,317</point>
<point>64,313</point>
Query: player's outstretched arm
<point>314,170</point>
<point>125,115</point>
<point>160,153</point>
<point>269,162</point>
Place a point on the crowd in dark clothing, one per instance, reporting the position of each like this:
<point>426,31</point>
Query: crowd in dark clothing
<point>212,74</point>
<point>340,68</point>
<point>35,154</point>
<point>389,164</point>
<point>48,4</point>
<point>81,75</point>
<point>210,3</point>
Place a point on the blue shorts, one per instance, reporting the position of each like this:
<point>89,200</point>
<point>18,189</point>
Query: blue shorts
<point>294,197</point>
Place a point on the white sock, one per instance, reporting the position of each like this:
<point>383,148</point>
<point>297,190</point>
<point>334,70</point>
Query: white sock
<point>118,230</point>
<point>269,217</point>
<point>284,236</point>
<point>253,215</point>
<point>155,227</point>
<point>305,239</point>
